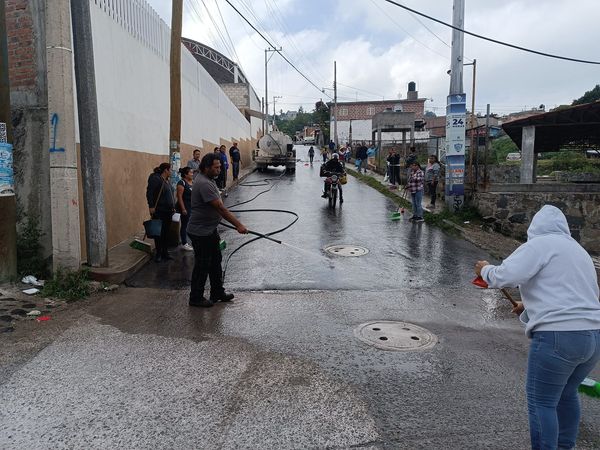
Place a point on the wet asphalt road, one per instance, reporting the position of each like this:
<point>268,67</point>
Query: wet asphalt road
<point>280,367</point>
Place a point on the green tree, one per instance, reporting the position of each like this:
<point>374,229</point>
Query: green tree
<point>588,97</point>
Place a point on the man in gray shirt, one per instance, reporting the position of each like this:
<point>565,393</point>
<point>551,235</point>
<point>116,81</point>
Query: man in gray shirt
<point>207,211</point>
<point>194,164</point>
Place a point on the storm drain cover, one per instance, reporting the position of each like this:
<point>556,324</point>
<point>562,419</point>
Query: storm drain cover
<point>346,250</point>
<point>398,336</point>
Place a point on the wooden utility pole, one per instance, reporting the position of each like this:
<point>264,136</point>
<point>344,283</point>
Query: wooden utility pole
<point>8,228</point>
<point>175,129</point>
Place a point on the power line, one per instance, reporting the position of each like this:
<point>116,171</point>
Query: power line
<point>403,29</point>
<point>506,44</point>
<point>227,31</point>
<point>274,47</point>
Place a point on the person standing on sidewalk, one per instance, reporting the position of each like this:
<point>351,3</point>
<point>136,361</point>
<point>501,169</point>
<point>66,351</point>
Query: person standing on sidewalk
<point>394,167</point>
<point>415,187</point>
<point>561,313</point>
<point>222,179</point>
<point>159,195</point>
<point>361,154</point>
<point>234,155</point>
<point>184,204</point>
<point>207,212</point>
<point>194,163</point>
<point>432,175</point>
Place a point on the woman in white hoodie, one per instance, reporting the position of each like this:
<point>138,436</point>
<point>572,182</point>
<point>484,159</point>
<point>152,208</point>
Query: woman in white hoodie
<point>561,312</point>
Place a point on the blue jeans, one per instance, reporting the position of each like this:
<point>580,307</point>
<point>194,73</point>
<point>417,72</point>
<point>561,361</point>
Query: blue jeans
<point>558,363</point>
<point>417,207</point>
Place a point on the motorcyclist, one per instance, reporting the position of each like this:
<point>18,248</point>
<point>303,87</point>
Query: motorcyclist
<point>333,166</point>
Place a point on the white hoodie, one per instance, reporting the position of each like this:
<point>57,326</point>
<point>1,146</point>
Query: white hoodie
<point>555,275</point>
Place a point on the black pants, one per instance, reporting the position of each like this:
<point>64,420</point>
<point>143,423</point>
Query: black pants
<point>222,179</point>
<point>432,185</point>
<point>236,169</point>
<point>311,157</point>
<point>394,175</point>
<point>185,218</point>
<point>160,243</point>
<point>207,264</point>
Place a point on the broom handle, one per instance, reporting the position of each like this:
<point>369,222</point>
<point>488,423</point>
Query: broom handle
<point>509,297</point>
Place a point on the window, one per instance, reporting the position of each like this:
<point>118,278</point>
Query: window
<point>343,112</point>
<point>371,111</point>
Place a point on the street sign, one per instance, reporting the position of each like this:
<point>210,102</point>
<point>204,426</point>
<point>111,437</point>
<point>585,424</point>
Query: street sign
<point>456,121</point>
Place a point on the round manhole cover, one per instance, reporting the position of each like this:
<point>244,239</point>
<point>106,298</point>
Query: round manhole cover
<point>346,250</point>
<point>399,336</point>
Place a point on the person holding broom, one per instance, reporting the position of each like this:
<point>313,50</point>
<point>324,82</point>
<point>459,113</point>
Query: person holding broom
<point>561,313</point>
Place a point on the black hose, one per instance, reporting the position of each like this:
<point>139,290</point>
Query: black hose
<point>264,182</point>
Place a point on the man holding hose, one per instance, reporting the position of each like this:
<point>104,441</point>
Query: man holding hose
<point>561,313</point>
<point>207,211</point>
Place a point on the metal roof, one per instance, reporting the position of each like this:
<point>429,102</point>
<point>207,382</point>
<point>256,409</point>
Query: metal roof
<point>576,126</point>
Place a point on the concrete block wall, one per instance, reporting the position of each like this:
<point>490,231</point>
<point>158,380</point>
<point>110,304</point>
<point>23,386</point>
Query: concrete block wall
<point>514,206</point>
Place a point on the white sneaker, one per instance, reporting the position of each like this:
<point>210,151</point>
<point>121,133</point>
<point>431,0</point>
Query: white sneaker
<point>188,247</point>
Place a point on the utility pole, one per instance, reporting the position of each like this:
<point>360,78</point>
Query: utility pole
<point>335,110</point>
<point>487,145</point>
<point>267,59</point>
<point>473,126</point>
<point>275,97</point>
<point>89,136</point>
<point>456,116</point>
<point>175,124</point>
<point>8,227</point>
<point>64,183</point>
<point>262,108</point>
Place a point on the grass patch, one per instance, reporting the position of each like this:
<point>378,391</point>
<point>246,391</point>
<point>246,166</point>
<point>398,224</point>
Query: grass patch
<point>68,285</point>
<point>375,184</point>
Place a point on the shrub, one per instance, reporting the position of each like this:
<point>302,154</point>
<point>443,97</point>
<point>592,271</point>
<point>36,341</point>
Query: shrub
<point>29,250</point>
<point>68,285</point>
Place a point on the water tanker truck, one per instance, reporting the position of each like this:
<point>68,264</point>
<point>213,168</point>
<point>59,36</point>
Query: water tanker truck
<point>275,149</point>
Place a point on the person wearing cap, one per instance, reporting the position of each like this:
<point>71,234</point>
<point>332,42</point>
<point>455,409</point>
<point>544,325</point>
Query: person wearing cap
<point>234,157</point>
<point>560,309</point>
<point>333,166</point>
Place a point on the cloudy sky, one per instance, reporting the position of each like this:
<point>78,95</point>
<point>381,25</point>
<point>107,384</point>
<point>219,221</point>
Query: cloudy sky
<point>380,47</point>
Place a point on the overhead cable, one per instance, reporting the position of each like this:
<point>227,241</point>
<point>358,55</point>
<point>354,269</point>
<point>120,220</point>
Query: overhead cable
<point>275,48</point>
<point>506,44</point>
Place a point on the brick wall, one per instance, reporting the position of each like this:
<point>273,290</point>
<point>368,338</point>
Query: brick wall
<point>366,110</point>
<point>237,93</point>
<point>21,50</point>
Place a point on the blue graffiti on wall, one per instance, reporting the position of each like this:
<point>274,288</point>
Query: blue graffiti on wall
<point>54,122</point>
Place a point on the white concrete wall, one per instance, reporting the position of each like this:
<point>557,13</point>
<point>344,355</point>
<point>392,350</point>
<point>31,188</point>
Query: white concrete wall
<point>131,52</point>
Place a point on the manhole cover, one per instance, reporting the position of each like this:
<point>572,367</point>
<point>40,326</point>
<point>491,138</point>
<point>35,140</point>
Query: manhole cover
<point>346,250</point>
<point>399,336</point>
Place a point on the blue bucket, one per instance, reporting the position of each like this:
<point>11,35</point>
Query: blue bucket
<point>153,228</point>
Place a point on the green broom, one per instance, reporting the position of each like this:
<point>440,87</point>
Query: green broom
<point>590,387</point>
<point>139,244</point>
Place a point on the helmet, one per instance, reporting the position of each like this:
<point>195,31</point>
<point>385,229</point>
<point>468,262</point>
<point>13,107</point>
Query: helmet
<point>335,155</point>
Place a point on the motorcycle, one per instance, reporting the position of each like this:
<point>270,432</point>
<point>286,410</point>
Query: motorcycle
<point>333,184</point>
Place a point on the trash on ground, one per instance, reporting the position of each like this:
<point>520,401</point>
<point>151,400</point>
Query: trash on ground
<point>35,312</point>
<point>31,291</point>
<point>30,279</point>
<point>467,222</point>
<point>112,287</point>
<point>43,318</point>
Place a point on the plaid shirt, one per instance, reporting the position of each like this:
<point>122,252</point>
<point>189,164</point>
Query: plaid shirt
<point>415,182</point>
